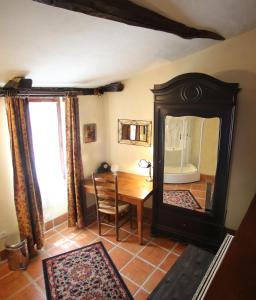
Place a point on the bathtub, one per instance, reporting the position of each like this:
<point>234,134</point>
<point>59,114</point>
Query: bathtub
<point>174,175</point>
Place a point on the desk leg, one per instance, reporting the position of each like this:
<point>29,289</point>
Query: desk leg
<point>140,221</point>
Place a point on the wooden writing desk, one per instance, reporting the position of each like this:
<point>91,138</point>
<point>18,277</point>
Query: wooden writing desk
<point>132,189</point>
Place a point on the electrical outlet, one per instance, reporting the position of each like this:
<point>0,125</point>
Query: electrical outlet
<point>3,235</point>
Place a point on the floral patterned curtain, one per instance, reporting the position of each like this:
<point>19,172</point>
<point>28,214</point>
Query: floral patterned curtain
<point>74,163</point>
<point>26,189</point>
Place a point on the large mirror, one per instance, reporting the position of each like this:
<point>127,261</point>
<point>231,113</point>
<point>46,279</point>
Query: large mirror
<point>190,161</point>
<point>134,132</point>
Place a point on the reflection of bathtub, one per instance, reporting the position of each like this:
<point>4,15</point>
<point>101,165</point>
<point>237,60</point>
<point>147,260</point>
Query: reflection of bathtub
<point>174,175</point>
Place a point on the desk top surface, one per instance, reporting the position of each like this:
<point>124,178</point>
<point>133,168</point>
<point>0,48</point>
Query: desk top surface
<point>129,185</point>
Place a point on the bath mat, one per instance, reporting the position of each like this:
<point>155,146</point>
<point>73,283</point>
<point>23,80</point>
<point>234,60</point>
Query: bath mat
<point>181,198</point>
<point>83,274</point>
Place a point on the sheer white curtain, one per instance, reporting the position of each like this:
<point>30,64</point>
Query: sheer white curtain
<point>49,164</point>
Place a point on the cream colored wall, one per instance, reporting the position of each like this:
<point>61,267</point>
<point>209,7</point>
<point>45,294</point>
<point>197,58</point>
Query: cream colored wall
<point>209,147</point>
<point>8,220</point>
<point>232,61</point>
<point>91,110</point>
<point>136,103</point>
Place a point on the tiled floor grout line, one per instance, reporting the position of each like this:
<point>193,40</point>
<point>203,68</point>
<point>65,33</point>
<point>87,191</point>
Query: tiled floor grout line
<point>6,275</point>
<point>133,282</point>
<point>96,238</point>
<point>30,281</point>
<point>33,281</point>
<point>119,242</point>
<point>115,245</point>
<point>18,291</point>
<point>133,254</point>
<point>169,250</point>
<point>144,260</point>
<point>158,267</point>
<point>22,288</point>
<point>136,255</point>
<point>141,287</point>
<point>118,245</point>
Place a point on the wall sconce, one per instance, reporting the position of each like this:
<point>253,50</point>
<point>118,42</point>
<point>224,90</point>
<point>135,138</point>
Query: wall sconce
<point>143,163</point>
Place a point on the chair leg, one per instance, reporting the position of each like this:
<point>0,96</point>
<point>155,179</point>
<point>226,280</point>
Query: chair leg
<point>117,227</point>
<point>99,222</point>
<point>130,215</point>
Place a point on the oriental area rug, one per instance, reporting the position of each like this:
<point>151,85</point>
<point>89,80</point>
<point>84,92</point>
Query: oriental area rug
<point>181,198</point>
<point>83,274</point>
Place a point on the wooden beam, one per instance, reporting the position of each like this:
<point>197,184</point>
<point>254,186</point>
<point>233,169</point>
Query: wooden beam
<point>112,87</point>
<point>59,91</point>
<point>127,12</point>
<point>18,83</point>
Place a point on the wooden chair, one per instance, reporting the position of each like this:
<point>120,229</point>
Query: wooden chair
<point>106,194</point>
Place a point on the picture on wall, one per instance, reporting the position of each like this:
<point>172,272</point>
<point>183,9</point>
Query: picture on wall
<point>89,133</point>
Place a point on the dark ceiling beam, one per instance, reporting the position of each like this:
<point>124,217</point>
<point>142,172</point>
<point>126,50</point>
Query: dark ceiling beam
<point>23,87</point>
<point>127,12</point>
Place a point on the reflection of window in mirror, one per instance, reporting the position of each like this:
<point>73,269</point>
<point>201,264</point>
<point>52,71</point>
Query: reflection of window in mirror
<point>134,132</point>
<point>143,133</point>
<point>190,161</point>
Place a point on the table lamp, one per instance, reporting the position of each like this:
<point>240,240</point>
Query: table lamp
<point>143,163</point>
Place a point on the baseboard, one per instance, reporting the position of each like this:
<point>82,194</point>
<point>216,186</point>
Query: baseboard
<point>55,222</point>
<point>90,214</point>
<point>230,231</point>
<point>47,226</point>
<point>3,254</point>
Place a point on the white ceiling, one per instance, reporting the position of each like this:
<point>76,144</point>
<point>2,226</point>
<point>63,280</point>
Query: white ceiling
<point>57,47</point>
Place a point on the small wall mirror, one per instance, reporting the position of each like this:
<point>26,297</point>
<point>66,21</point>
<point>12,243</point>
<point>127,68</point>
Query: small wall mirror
<point>134,132</point>
<point>190,161</point>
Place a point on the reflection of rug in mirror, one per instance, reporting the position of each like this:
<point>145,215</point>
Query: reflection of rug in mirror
<point>85,273</point>
<point>181,198</point>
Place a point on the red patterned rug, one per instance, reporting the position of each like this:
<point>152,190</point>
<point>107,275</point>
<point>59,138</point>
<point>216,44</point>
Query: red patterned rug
<point>181,198</point>
<point>86,273</point>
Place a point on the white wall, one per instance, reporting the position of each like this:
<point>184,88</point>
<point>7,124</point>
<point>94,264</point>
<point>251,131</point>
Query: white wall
<point>8,220</point>
<point>232,61</point>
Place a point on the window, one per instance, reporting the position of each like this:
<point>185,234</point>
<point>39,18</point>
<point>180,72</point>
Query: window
<point>47,122</point>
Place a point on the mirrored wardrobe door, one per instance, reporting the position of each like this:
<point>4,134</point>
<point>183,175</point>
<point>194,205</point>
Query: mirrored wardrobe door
<point>190,161</point>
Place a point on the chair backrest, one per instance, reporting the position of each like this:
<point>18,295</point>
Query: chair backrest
<point>106,188</point>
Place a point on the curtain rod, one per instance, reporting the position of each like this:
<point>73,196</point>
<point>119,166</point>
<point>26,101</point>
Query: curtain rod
<point>50,92</point>
<point>62,91</point>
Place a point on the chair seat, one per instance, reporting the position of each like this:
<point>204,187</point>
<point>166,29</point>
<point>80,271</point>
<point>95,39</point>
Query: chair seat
<point>107,207</point>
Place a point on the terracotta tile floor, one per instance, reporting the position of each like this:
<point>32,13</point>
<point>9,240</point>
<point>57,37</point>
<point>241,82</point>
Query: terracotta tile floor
<point>141,267</point>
